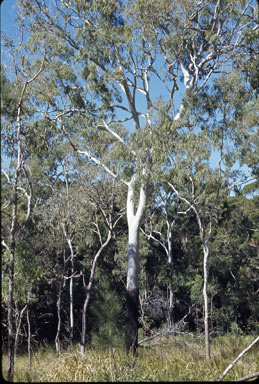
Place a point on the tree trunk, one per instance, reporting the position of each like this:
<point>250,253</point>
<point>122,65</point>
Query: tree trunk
<point>57,340</point>
<point>71,295</point>
<point>11,343</point>
<point>171,294</point>
<point>29,337</point>
<point>11,337</point>
<point>18,329</point>
<point>83,336</point>
<point>132,289</point>
<point>132,292</point>
<point>71,306</point>
<point>205,296</point>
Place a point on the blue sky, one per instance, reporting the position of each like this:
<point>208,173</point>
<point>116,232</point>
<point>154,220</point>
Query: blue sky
<point>8,10</point>
<point>8,24</point>
<point>9,27</point>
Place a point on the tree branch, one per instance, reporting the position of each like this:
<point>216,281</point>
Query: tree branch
<point>238,358</point>
<point>93,158</point>
<point>256,374</point>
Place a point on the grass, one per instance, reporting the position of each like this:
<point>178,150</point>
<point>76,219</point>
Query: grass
<point>180,359</point>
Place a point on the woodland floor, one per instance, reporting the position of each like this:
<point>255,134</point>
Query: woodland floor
<point>172,359</point>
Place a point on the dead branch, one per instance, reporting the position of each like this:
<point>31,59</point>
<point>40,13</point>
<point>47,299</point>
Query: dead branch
<point>167,331</point>
<point>256,374</point>
<point>238,358</point>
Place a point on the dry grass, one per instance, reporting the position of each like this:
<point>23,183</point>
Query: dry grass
<point>179,359</point>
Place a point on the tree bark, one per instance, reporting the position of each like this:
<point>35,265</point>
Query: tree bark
<point>58,304</point>
<point>171,294</point>
<point>71,287</point>
<point>132,315</point>
<point>18,328</point>
<point>71,303</point>
<point>11,341</point>
<point>11,337</point>
<point>205,296</point>
<point>68,236</point>
<point>132,289</point>
<point>29,337</point>
<point>83,335</point>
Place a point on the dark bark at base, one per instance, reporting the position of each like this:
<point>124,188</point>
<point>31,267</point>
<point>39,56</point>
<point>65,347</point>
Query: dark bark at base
<point>10,371</point>
<point>132,324</point>
<point>11,324</point>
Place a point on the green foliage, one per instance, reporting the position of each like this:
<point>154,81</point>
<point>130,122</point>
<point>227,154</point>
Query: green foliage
<point>234,250</point>
<point>9,97</point>
<point>108,311</point>
<point>92,49</point>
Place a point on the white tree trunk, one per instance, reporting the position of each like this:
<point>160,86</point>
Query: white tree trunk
<point>58,305</point>
<point>71,304</point>
<point>29,337</point>
<point>18,328</point>
<point>133,255</point>
<point>71,296</point>
<point>170,262</point>
<point>132,292</point>
<point>205,296</point>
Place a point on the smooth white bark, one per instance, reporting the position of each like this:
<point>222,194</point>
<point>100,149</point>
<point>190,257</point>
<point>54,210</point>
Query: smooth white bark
<point>133,256</point>
<point>205,246</point>
<point>205,297</point>
<point>133,233</point>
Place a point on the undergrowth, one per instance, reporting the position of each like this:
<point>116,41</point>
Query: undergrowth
<point>173,359</point>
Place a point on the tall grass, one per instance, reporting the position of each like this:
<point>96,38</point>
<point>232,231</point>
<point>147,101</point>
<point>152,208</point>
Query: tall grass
<point>173,359</point>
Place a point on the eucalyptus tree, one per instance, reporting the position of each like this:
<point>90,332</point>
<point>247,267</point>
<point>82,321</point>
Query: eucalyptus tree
<point>69,230</point>
<point>58,219</point>
<point>222,130</point>
<point>106,61</point>
<point>102,201</point>
<point>234,249</point>
<point>204,200</point>
<point>158,227</point>
<point>15,118</point>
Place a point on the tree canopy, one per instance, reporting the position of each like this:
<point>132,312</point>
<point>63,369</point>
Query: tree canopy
<point>131,127</point>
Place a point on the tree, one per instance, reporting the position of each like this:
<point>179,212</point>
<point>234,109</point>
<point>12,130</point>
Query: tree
<point>159,227</point>
<point>106,62</point>
<point>234,249</point>
<point>14,130</point>
<point>105,205</point>
<point>205,206</point>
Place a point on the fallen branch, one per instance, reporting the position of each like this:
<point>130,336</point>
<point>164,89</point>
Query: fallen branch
<point>168,331</point>
<point>238,358</point>
<point>151,337</point>
<point>256,374</point>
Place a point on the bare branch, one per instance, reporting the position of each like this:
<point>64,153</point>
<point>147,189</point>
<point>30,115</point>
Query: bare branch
<point>256,374</point>
<point>238,358</point>
<point>93,158</point>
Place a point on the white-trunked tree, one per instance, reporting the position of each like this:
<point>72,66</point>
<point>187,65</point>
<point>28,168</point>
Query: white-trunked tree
<point>110,64</point>
<point>16,111</point>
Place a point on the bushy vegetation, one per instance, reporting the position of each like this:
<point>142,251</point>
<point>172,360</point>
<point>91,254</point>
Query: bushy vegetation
<point>172,359</point>
<point>128,194</point>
